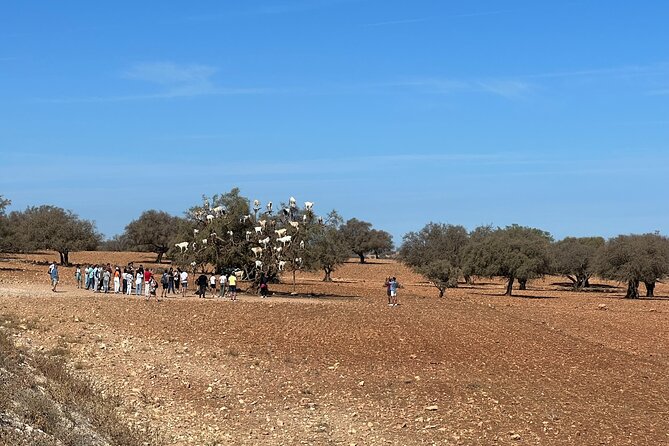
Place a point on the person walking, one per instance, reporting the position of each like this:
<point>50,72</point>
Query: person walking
<point>53,274</point>
<point>393,291</point>
<point>139,279</point>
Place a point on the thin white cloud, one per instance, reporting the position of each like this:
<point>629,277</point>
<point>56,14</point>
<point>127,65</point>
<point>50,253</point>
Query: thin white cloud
<point>498,87</point>
<point>168,73</point>
<point>172,81</point>
<point>397,22</point>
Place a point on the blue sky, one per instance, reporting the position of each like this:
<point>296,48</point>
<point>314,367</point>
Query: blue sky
<point>547,114</point>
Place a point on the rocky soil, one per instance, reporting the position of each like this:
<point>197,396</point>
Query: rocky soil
<point>548,366</point>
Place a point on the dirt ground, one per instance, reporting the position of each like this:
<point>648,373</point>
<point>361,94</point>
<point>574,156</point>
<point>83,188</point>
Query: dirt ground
<point>546,367</point>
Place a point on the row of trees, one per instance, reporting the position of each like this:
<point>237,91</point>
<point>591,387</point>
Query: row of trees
<point>444,253</point>
<point>229,231</point>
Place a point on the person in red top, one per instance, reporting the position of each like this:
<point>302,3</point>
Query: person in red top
<point>147,279</point>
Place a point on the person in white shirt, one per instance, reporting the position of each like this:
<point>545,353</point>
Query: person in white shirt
<point>222,282</point>
<point>184,282</point>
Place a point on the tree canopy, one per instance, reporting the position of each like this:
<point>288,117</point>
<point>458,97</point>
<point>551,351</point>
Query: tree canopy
<point>513,252</point>
<point>575,258</point>
<point>223,232</point>
<point>326,247</point>
<point>153,231</point>
<point>362,239</point>
<point>50,227</point>
<point>633,259</point>
<point>436,251</point>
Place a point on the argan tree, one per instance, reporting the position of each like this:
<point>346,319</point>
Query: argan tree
<point>437,252</point>
<point>574,258</point>
<point>634,259</point>
<point>513,252</point>
<point>154,231</point>
<point>50,227</point>
<point>228,232</point>
<point>362,239</point>
<point>325,246</point>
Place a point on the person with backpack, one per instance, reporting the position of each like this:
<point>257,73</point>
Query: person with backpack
<point>165,282</point>
<point>202,285</point>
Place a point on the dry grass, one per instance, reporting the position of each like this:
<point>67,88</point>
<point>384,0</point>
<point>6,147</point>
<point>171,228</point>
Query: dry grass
<point>41,403</point>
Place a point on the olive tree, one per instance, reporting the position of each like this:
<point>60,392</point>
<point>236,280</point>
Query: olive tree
<point>154,231</point>
<point>513,252</point>
<point>50,227</point>
<point>574,258</point>
<point>633,259</point>
<point>437,252</point>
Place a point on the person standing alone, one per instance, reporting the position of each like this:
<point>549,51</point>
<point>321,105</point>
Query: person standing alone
<point>53,273</point>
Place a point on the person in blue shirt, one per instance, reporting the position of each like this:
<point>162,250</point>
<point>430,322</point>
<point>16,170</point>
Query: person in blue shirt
<point>393,285</point>
<point>54,277</point>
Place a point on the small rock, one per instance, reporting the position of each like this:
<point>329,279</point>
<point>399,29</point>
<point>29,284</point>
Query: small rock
<point>361,383</point>
<point>602,307</point>
<point>514,436</point>
<point>434,407</point>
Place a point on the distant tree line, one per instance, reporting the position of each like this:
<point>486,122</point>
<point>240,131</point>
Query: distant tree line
<point>445,253</point>
<point>228,231</point>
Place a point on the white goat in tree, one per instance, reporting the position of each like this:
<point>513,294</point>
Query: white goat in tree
<point>257,251</point>
<point>183,246</point>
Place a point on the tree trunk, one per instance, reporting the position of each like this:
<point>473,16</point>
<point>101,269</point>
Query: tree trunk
<point>160,256</point>
<point>64,258</point>
<point>327,277</point>
<point>294,284</point>
<point>632,289</point>
<point>469,280</point>
<point>509,286</point>
<point>442,290</point>
<point>522,284</point>
<point>362,257</point>
<point>650,289</point>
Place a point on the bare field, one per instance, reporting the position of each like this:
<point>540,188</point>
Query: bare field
<point>546,367</point>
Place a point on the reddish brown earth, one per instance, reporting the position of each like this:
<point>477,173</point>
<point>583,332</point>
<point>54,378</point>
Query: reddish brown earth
<point>548,367</point>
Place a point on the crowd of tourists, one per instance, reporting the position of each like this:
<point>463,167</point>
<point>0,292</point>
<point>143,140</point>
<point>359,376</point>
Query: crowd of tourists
<point>140,281</point>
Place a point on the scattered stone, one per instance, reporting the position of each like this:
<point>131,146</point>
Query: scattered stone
<point>602,307</point>
<point>513,436</point>
<point>433,407</point>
